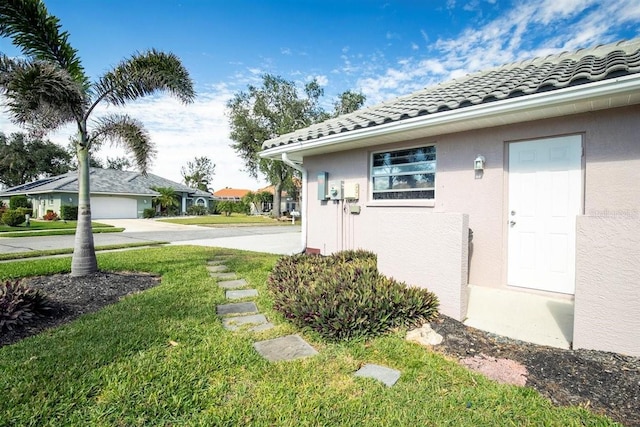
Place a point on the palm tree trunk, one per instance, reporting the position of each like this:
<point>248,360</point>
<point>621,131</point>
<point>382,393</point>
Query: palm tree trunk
<point>84,260</point>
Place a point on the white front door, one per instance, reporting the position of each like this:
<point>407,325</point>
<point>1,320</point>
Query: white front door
<point>545,196</point>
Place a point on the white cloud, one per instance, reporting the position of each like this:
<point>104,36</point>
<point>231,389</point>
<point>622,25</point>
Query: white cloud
<point>285,51</point>
<point>414,46</point>
<point>322,79</point>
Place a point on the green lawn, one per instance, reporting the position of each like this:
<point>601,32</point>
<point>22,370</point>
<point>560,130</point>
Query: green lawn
<point>118,367</point>
<point>234,219</point>
<point>37,225</point>
<point>49,252</point>
<point>52,228</point>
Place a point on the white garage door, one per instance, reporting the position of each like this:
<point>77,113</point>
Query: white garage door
<point>113,207</point>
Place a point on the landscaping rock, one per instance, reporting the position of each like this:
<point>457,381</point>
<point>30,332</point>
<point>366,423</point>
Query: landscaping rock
<point>237,308</point>
<point>424,335</point>
<point>504,371</point>
<point>386,375</point>
<point>284,348</point>
<point>243,293</point>
<point>233,284</point>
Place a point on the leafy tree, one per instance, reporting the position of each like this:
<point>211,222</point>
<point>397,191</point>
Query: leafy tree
<point>49,88</point>
<point>349,102</point>
<point>273,109</point>
<point>167,200</point>
<point>24,159</point>
<point>198,173</point>
<point>118,163</point>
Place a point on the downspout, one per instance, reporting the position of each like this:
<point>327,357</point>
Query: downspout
<point>303,210</point>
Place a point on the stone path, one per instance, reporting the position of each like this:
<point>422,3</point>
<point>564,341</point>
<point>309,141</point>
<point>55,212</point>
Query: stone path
<point>245,314</point>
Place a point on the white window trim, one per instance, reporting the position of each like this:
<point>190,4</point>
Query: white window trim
<point>400,202</point>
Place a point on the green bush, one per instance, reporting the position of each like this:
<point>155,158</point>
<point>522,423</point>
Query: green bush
<point>16,202</point>
<point>20,305</point>
<point>13,218</point>
<point>149,213</point>
<point>343,296</point>
<point>69,213</point>
<point>196,210</point>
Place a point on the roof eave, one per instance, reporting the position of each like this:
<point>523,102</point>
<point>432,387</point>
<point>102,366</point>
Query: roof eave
<point>604,94</point>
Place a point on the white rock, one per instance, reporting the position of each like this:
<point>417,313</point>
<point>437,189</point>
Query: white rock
<point>424,335</point>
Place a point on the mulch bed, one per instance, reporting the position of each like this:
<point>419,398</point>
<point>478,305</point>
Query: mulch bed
<point>606,383</point>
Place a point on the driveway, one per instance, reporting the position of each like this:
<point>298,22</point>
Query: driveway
<point>271,239</point>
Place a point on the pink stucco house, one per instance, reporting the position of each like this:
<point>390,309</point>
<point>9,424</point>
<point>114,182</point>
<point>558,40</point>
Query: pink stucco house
<point>540,159</point>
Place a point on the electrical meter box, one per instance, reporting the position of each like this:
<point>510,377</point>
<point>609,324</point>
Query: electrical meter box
<point>351,191</point>
<point>336,190</point>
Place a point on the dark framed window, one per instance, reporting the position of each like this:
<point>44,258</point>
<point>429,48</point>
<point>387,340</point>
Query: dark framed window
<point>409,173</point>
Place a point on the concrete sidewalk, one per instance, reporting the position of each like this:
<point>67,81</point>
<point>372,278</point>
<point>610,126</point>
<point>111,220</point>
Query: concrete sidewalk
<point>281,244</point>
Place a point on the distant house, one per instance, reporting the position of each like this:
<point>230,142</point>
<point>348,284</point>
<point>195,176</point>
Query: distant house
<point>288,203</point>
<point>114,193</point>
<point>231,194</point>
<point>540,158</point>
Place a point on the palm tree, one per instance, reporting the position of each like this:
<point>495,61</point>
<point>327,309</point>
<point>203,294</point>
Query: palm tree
<point>49,88</point>
<point>167,199</point>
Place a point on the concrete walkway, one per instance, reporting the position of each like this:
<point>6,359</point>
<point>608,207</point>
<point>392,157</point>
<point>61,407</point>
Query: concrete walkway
<point>521,315</point>
<point>281,244</point>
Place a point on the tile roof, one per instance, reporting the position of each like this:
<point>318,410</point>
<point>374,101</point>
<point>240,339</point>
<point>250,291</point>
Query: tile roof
<point>230,193</point>
<point>524,78</point>
<point>108,181</point>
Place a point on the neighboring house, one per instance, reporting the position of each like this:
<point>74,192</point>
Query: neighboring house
<point>231,194</point>
<point>540,158</point>
<point>287,202</point>
<point>114,193</point>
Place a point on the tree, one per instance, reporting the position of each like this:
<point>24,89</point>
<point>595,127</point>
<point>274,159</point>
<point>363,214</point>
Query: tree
<point>167,200</point>
<point>24,159</point>
<point>349,102</point>
<point>118,163</point>
<point>273,109</point>
<point>49,88</point>
<point>198,173</point>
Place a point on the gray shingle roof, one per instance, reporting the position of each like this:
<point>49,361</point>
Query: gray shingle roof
<point>523,78</point>
<point>108,181</point>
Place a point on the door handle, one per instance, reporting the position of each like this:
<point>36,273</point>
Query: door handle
<point>512,223</point>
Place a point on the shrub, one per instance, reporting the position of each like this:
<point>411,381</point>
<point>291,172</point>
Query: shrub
<point>20,305</point>
<point>16,202</point>
<point>50,216</point>
<point>343,296</point>
<point>13,218</point>
<point>69,213</point>
<point>196,210</point>
<point>149,213</point>
<point>26,211</point>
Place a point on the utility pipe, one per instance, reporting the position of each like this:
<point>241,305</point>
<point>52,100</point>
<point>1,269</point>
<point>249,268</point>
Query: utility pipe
<point>303,208</point>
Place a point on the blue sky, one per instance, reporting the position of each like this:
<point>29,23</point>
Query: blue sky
<point>381,48</point>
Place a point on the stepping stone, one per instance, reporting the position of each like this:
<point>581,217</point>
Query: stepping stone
<point>217,262</point>
<point>222,257</point>
<point>243,293</point>
<point>284,348</point>
<point>223,275</point>
<point>259,322</point>
<point>217,268</point>
<point>237,308</point>
<point>381,373</point>
<point>233,284</point>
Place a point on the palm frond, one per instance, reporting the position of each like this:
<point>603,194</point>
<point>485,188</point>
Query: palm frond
<point>38,35</point>
<point>145,74</point>
<point>40,94</point>
<point>127,132</point>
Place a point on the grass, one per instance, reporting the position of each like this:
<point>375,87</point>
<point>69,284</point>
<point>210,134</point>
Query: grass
<point>234,219</point>
<point>52,228</point>
<point>48,225</point>
<point>49,252</point>
<point>118,367</point>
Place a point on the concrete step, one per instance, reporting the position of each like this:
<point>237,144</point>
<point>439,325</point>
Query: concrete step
<point>242,293</point>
